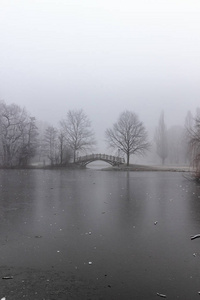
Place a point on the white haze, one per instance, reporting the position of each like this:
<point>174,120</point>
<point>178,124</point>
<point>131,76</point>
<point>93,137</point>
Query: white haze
<point>102,56</point>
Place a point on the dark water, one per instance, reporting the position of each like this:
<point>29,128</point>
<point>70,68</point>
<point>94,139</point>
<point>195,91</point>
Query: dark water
<point>100,227</point>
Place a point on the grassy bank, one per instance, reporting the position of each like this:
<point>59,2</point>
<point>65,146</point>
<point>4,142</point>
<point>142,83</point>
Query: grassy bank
<point>135,167</point>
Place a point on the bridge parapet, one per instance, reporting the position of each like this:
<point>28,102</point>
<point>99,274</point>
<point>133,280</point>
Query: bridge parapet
<point>113,160</point>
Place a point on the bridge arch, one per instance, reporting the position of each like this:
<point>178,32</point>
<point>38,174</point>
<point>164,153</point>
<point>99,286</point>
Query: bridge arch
<point>110,159</point>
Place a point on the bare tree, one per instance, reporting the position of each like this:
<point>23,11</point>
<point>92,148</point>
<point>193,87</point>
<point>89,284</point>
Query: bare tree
<point>188,133</point>
<point>128,135</point>
<point>17,135</point>
<point>61,146</point>
<point>50,143</point>
<point>29,142</point>
<point>161,139</point>
<point>194,142</point>
<point>78,133</point>
<point>64,152</point>
<point>176,144</point>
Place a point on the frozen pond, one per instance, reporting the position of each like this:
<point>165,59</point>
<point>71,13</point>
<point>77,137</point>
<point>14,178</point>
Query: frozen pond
<point>125,235</point>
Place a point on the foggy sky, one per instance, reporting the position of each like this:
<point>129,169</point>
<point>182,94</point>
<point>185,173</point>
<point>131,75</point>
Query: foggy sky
<point>102,56</point>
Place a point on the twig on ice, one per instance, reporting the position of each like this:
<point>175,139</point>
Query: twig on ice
<point>195,236</point>
<point>161,295</point>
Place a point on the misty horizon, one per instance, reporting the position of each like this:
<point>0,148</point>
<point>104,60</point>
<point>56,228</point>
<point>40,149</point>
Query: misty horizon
<point>102,57</point>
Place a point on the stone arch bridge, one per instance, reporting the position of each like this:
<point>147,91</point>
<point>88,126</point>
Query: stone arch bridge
<point>112,160</point>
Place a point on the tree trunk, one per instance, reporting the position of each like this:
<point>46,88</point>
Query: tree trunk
<point>74,156</point>
<point>61,154</point>
<point>127,159</point>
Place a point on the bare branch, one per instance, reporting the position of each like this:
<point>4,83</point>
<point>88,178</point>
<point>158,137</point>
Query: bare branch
<point>77,131</point>
<point>128,134</point>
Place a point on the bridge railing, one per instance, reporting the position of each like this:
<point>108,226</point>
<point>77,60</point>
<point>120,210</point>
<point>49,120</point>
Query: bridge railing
<point>100,156</point>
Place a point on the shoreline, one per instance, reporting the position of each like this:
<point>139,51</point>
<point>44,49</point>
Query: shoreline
<point>131,167</point>
<point>144,168</point>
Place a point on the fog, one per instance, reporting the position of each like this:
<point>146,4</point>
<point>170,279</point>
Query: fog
<point>102,56</point>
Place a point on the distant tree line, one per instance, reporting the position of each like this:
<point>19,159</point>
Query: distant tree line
<point>177,145</point>
<point>18,135</point>
<point>24,140</point>
<point>21,140</point>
